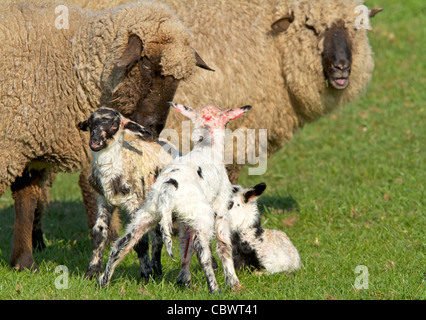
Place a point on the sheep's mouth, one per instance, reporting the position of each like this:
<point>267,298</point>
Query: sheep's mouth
<point>97,145</point>
<point>338,83</point>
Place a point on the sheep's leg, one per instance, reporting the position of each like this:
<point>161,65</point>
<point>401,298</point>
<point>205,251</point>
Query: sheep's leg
<point>142,249</point>
<point>37,234</point>
<point>42,204</point>
<point>143,223</point>
<point>224,249</point>
<point>186,251</point>
<point>100,238</point>
<point>26,191</point>
<point>157,245</point>
<point>202,249</point>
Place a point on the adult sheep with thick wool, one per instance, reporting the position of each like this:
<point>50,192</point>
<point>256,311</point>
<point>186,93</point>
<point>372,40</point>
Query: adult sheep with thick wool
<point>292,60</point>
<point>59,63</point>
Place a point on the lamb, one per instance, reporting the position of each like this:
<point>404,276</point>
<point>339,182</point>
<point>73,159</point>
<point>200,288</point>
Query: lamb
<point>196,189</point>
<point>54,74</point>
<point>123,171</point>
<point>253,246</point>
<point>281,56</point>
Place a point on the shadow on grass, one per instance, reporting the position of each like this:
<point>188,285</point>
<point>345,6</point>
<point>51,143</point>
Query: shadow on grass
<point>65,233</point>
<point>282,204</point>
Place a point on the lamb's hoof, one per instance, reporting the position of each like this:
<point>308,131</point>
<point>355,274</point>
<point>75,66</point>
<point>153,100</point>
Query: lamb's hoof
<point>102,282</point>
<point>146,275</point>
<point>184,282</point>
<point>93,273</point>
<point>237,288</point>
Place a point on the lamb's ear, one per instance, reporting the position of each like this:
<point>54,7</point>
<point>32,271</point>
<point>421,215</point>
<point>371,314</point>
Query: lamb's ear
<point>200,62</point>
<point>373,12</point>
<point>137,129</point>
<point>186,111</point>
<point>234,113</point>
<point>132,53</point>
<point>83,125</point>
<point>253,193</point>
<point>282,24</point>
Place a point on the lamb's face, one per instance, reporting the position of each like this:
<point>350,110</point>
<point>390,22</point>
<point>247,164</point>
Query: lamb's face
<point>242,207</point>
<point>104,124</point>
<point>210,117</point>
<point>107,126</point>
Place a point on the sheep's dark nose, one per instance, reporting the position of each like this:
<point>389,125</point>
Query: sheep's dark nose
<point>97,140</point>
<point>343,66</point>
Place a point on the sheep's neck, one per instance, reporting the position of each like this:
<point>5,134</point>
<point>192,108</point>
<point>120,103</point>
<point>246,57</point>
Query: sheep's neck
<point>109,161</point>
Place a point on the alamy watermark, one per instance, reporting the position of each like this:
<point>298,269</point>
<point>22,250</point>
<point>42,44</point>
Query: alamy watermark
<point>62,281</point>
<point>361,282</point>
<point>62,20</point>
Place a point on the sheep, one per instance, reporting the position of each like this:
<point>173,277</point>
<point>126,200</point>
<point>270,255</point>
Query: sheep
<point>122,173</point>
<point>252,245</point>
<point>281,56</point>
<point>196,189</point>
<point>274,55</point>
<point>57,67</point>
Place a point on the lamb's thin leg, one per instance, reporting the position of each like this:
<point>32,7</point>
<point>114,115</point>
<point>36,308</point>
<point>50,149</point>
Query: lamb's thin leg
<point>224,249</point>
<point>142,249</point>
<point>202,249</point>
<point>157,245</point>
<point>144,222</point>
<point>186,252</point>
<point>100,238</point>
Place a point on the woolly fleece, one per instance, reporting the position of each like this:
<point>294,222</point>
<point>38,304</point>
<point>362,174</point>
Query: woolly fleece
<point>53,78</point>
<point>280,75</point>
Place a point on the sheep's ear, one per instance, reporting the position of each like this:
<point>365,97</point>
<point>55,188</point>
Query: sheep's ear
<point>200,62</point>
<point>186,111</point>
<point>282,24</point>
<point>234,113</point>
<point>137,129</point>
<point>83,125</point>
<point>373,12</point>
<point>132,53</point>
<point>253,193</point>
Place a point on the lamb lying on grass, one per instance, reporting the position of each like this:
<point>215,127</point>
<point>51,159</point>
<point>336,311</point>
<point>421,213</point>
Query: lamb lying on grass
<point>196,189</point>
<point>122,174</point>
<point>253,246</point>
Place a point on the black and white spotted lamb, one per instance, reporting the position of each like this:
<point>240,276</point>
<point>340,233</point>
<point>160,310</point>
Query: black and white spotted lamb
<point>195,188</point>
<point>126,162</point>
<point>252,245</point>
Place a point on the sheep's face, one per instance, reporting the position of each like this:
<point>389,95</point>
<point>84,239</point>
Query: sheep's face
<point>330,34</point>
<point>337,56</point>
<point>107,126</point>
<point>243,210</point>
<point>143,93</point>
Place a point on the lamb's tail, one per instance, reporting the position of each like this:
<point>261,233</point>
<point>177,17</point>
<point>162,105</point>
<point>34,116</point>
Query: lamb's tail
<point>165,207</point>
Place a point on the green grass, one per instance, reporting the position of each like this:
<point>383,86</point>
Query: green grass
<point>349,190</point>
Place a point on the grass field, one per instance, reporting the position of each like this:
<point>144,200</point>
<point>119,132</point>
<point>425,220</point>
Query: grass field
<point>349,190</point>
